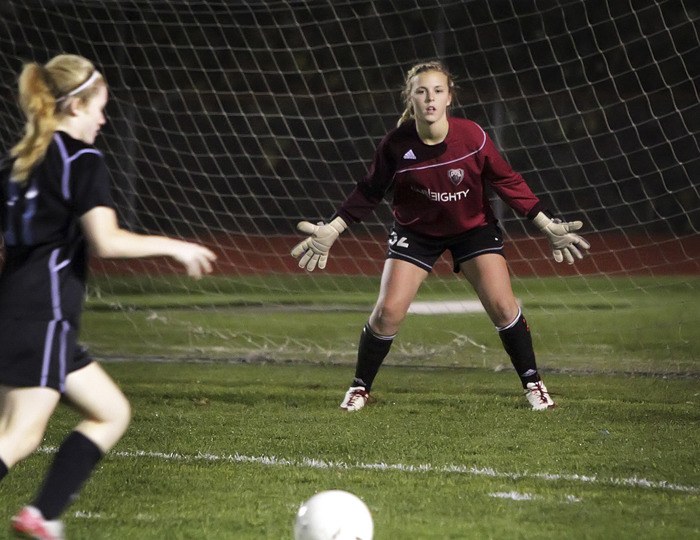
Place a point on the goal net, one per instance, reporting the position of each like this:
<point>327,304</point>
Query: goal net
<point>231,121</point>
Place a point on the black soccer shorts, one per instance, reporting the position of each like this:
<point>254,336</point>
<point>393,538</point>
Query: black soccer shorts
<point>39,353</point>
<point>423,251</point>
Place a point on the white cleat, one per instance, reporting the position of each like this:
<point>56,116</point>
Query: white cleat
<point>355,398</point>
<point>538,396</point>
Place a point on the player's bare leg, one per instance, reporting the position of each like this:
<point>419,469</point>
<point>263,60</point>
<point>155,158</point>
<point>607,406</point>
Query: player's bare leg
<point>399,286</point>
<point>105,409</point>
<point>24,414</point>
<point>400,283</point>
<point>23,420</point>
<point>488,274</point>
<point>106,414</point>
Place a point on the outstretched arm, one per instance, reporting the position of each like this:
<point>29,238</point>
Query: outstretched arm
<point>512,188</point>
<point>107,240</point>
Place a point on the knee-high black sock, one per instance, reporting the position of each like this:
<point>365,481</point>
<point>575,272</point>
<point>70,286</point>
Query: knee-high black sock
<point>370,355</point>
<point>3,469</point>
<point>517,342</point>
<point>73,464</point>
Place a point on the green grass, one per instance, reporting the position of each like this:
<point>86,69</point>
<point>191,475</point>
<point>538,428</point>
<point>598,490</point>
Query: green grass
<point>187,467</point>
<point>227,447</point>
<point>583,324</point>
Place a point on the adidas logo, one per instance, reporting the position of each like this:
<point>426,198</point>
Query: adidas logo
<point>409,155</point>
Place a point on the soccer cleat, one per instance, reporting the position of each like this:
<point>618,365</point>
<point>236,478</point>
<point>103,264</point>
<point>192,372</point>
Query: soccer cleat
<point>538,396</point>
<point>355,398</point>
<point>29,523</point>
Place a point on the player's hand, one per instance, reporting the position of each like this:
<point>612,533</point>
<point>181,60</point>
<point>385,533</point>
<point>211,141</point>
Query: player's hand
<point>314,250</point>
<point>565,244</point>
<point>196,259</point>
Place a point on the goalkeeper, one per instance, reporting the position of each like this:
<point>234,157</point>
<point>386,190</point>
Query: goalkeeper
<point>437,168</point>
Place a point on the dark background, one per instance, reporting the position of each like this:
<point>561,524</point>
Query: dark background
<point>247,116</point>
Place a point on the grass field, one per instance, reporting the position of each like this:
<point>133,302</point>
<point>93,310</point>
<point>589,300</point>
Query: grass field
<point>236,418</point>
<point>230,451</point>
<point>640,325</point>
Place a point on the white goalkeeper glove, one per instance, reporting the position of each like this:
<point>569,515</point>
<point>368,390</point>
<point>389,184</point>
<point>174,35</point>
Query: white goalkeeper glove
<point>565,244</point>
<point>314,250</point>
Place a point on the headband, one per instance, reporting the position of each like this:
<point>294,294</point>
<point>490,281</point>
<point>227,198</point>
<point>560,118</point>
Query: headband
<point>90,80</point>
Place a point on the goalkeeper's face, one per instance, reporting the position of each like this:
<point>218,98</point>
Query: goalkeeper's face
<point>430,96</point>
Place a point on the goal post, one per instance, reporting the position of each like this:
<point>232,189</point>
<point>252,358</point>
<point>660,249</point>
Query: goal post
<point>231,121</point>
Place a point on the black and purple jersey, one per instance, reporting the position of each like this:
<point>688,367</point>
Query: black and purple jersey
<point>45,268</point>
<point>439,190</point>
<point>42,283</point>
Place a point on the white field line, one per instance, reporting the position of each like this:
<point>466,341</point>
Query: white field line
<point>446,306</point>
<point>312,463</point>
<point>513,495</point>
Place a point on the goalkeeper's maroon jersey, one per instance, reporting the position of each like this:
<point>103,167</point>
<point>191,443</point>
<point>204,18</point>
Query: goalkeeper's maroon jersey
<point>439,190</point>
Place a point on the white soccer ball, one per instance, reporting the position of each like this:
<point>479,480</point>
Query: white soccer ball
<point>333,515</point>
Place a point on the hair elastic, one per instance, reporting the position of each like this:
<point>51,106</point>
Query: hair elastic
<point>90,80</point>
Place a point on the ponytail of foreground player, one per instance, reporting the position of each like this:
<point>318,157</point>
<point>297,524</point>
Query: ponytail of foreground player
<point>55,207</point>
<point>439,169</point>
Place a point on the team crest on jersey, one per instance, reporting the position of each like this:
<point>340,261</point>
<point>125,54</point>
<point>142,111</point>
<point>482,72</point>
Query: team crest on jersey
<point>456,176</point>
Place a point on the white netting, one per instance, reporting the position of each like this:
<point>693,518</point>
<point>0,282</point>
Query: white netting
<point>230,121</point>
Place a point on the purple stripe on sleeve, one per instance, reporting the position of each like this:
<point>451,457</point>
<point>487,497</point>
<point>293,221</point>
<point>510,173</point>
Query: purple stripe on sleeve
<point>65,186</point>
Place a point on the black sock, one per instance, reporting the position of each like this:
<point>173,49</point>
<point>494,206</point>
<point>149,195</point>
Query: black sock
<point>370,355</point>
<point>517,342</point>
<point>74,461</point>
<point>3,469</point>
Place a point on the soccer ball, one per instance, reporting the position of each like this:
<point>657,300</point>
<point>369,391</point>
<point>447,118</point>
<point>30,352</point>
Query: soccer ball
<point>333,515</point>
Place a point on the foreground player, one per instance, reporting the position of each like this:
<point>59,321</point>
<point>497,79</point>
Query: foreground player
<point>438,168</point>
<point>55,203</point>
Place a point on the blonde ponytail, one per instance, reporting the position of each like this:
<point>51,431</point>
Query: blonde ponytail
<point>45,93</point>
<point>39,105</point>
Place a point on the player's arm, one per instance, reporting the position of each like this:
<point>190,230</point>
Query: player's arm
<point>107,240</point>
<point>512,188</point>
<point>368,193</point>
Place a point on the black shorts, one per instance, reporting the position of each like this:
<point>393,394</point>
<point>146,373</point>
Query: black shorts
<point>39,353</point>
<point>423,251</point>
